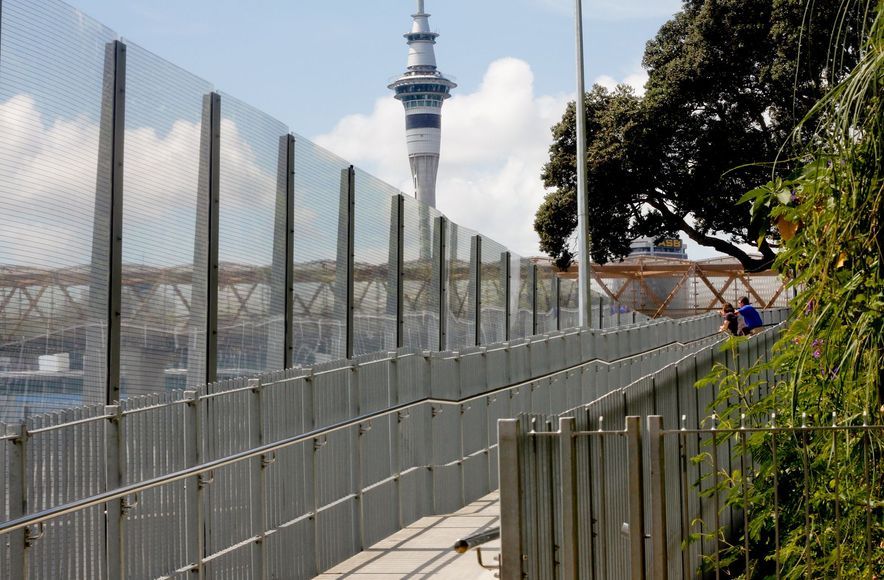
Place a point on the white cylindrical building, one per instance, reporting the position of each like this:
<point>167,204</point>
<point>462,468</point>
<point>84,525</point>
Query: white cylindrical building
<point>422,90</point>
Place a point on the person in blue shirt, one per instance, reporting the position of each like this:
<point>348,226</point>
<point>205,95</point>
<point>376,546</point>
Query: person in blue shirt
<point>750,317</point>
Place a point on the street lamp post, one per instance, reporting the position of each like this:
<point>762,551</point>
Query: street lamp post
<point>583,241</point>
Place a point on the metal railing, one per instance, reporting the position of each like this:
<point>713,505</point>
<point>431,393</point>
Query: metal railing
<point>229,476</point>
<point>579,500</point>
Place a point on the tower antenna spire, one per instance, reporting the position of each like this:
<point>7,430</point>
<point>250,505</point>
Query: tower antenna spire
<point>422,89</point>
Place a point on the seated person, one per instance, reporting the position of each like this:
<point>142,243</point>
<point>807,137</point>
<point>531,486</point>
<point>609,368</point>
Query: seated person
<point>731,319</point>
<point>750,316</point>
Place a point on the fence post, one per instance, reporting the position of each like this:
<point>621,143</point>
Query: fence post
<point>476,263</point>
<point>659,556</point>
<point>557,290</point>
<point>288,301</point>
<point>568,484</point>
<point>506,267</point>
<point>601,312</point>
<point>214,211</point>
<point>636,505</point>
<point>346,232</point>
<point>318,442</point>
<point>115,511</point>
<point>398,255</point>
<point>196,542</point>
<point>533,299</point>
<point>18,499</point>
<point>359,484</point>
<point>258,507</point>
<point>440,269</point>
<point>115,250</point>
<point>510,500</point>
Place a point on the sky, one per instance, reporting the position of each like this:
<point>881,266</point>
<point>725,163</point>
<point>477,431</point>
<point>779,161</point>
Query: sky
<point>322,69</point>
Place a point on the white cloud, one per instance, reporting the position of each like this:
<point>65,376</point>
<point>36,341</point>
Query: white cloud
<point>494,144</point>
<point>636,80</point>
<point>48,179</point>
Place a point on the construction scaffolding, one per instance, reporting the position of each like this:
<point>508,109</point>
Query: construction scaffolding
<point>676,288</point>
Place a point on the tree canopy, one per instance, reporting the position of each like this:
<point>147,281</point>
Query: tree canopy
<point>728,80</point>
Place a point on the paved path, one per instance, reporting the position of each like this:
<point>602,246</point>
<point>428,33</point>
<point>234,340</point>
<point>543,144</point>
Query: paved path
<point>423,549</point>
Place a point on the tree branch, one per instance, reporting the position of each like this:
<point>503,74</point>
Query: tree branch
<point>749,263</point>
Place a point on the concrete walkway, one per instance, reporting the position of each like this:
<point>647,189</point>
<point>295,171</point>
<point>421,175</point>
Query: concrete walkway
<point>423,549</point>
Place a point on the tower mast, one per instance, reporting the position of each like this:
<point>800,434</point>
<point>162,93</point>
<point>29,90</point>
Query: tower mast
<point>422,89</point>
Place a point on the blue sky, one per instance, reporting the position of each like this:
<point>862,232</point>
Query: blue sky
<point>322,69</point>
<point>311,63</point>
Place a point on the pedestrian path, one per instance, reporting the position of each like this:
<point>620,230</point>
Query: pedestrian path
<point>423,549</point>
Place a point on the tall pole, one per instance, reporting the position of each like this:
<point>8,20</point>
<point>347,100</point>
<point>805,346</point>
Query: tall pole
<point>583,275</point>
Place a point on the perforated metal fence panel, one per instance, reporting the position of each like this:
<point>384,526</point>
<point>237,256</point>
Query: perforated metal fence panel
<point>319,277</point>
<point>54,206</point>
<point>375,265</point>
<point>252,177</point>
<point>461,272</point>
<point>421,285</point>
<point>493,292</point>
<point>165,186</point>
<point>568,311</point>
<point>546,299</point>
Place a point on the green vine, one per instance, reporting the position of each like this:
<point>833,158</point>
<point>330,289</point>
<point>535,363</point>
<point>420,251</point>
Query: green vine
<point>820,499</point>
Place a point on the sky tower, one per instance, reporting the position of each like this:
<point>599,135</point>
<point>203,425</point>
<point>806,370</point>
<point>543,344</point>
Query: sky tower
<point>422,90</point>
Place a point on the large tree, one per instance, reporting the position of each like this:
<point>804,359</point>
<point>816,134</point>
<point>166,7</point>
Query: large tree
<point>727,82</point>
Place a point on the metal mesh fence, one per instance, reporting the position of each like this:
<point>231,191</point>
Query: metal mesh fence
<point>156,235</point>
<point>493,292</point>
<point>163,338</point>
<point>252,177</point>
<point>420,275</point>
<point>54,206</point>
<point>319,293</point>
<point>227,475</point>
<point>461,287</point>
<point>374,265</point>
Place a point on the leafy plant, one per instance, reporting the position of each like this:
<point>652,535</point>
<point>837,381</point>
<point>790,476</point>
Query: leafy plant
<point>817,493</point>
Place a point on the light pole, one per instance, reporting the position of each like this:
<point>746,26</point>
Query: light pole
<point>584,305</point>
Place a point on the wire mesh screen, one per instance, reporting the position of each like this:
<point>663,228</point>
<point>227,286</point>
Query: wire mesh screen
<point>420,282</point>
<point>165,179</point>
<point>597,306</point>
<point>568,303</point>
<point>55,114</point>
<point>493,315</point>
<point>523,297</point>
<point>374,265</point>
<point>319,277</point>
<point>461,287</point>
<point>546,299</point>
<point>252,179</point>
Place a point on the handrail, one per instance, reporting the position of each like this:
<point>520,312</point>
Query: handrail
<point>121,492</point>
<point>312,375</point>
<point>476,541</point>
<point>463,545</point>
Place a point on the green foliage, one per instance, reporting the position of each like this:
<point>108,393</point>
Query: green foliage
<point>814,497</point>
<point>824,488</point>
<point>608,118</point>
<point>726,86</point>
<point>835,259</point>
